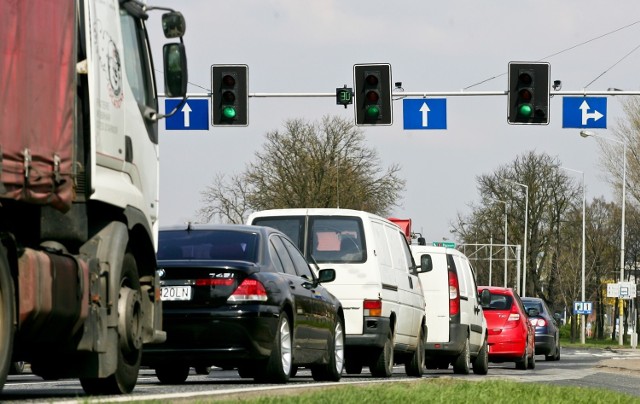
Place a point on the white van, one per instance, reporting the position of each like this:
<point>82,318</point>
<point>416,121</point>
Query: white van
<point>456,323</point>
<point>376,282</point>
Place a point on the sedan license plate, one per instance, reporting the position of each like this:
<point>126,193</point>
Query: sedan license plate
<point>175,293</point>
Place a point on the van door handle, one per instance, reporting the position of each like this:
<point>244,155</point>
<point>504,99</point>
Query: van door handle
<point>410,282</point>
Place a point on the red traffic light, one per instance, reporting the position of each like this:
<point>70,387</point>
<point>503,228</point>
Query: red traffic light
<point>228,80</point>
<point>525,95</point>
<point>372,96</point>
<point>371,80</point>
<point>525,78</point>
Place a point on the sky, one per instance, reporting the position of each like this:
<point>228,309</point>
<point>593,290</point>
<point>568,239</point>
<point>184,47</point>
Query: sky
<point>295,46</point>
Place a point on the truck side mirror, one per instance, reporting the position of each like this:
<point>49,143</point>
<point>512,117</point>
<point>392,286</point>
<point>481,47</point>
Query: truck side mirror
<point>173,24</point>
<point>175,70</point>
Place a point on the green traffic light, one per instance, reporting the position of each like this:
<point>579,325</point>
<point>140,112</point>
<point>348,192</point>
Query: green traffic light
<point>525,110</point>
<point>229,112</point>
<point>373,112</point>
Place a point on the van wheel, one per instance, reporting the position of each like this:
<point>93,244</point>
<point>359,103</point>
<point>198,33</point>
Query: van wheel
<point>462,363</point>
<point>481,362</point>
<point>382,366</point>
<point>415,367</point>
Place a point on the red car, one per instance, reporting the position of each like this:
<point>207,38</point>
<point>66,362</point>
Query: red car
<point>511,336</point>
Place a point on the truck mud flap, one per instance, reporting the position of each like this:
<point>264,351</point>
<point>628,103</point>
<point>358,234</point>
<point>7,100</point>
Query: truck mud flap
<point>53,296</point>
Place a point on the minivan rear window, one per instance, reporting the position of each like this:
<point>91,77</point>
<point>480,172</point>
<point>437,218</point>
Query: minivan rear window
<point>337,239</point>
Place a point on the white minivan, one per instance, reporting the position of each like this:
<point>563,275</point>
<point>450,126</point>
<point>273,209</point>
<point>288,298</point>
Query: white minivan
<point>376,282</point>
<point>456,323</point>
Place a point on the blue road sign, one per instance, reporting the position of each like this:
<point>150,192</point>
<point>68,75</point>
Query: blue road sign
<point>582,307</point>
<point>193,115</point>
<point>584,112</point>
<point>425,113</point>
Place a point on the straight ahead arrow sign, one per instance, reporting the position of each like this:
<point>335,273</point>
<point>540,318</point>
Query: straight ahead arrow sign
<point>425,115</point>
<point>186,111</point>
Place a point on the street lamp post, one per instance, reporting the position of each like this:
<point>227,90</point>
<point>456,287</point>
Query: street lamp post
<point>584,202</point>
<point>523,292</point>
<point>585,133</point>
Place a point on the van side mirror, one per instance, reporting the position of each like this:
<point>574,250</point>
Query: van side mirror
<point>426,264</point>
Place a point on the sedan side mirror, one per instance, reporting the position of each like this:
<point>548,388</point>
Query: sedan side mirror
<point>326,275</point>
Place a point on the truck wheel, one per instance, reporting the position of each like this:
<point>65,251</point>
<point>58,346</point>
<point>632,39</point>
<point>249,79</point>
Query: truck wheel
<point>129,336</point>
<point>382,366</point>
<point>6,317</point>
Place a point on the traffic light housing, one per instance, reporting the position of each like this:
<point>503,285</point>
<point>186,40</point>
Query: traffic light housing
<point>528,94</point>
<point>372,84</point>
<point>230,95</point>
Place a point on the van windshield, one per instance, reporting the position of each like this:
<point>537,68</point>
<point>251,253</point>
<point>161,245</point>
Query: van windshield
<point>335,239</point>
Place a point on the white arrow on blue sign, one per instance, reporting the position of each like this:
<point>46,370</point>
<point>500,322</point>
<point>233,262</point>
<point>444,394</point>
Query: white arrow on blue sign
<point>584,112</point>
<point>192,115</point>
<point>424,113</point>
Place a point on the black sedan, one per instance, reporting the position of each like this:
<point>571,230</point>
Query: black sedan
<point>547,331</point>
<point>237,296</point>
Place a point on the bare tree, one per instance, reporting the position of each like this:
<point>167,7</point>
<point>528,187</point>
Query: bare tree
<point>324,164</point>
<point>551,195</point>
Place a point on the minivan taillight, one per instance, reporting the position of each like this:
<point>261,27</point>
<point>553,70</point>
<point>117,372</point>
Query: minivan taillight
<point>250,290</point>
<point>454,295</point>
<point>372,308</point>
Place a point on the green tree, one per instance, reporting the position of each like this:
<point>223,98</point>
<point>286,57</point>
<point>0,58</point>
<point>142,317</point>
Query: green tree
<point>324,164</point>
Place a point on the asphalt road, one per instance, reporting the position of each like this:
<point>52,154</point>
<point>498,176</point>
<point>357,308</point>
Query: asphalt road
<point>594,368</point>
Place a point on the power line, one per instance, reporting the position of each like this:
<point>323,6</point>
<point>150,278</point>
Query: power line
<point>568,49</point>
<point>612,66</point>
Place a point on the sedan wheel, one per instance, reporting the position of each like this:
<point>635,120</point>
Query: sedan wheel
<point>332,370</point>
<point>278,368</point>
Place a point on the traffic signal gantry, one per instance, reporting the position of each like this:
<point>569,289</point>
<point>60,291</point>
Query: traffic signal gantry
<point>528,97</point>
<point>373,103</point>
<point>528,93</point>
<point>230,95</point>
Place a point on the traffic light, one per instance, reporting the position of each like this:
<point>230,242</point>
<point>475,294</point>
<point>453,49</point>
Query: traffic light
<point>373,94</point>
<point>230,95</point>
<point>528,95</point>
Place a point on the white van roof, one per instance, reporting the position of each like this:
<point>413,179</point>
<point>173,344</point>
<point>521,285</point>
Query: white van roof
<point>316,212</point>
